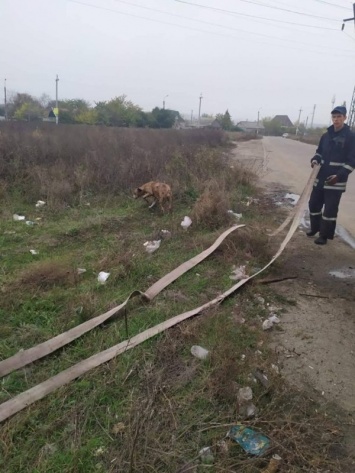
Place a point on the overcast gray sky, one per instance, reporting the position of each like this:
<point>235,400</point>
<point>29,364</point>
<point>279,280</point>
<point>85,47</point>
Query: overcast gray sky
<point>148,49</point>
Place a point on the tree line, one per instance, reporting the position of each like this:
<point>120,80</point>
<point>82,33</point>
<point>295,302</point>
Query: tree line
<point>118,111</point>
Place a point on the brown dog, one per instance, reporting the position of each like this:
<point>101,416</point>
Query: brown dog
<point>160,192</point>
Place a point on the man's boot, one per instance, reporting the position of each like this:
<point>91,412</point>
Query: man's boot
<point>320,241</point>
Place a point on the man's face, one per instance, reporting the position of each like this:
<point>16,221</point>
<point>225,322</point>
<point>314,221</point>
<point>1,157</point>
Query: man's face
<point>338,120</point>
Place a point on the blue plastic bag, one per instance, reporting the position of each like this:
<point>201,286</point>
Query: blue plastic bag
<point>251,442</point>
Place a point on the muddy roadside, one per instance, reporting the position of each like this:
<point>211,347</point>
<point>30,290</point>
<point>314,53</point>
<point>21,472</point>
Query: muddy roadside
<point>315,340</point>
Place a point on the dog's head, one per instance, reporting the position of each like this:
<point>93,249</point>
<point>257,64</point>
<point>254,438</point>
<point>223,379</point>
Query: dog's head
<point>138,192</point>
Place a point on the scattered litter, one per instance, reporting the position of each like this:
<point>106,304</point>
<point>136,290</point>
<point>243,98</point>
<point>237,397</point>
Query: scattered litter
<point>238,273</point>
<point>30,223</point>
<point>251,410</point>
<point>118,428</point>
<point>258,352</point>
<point>293,197</point>
<point>260,299</point>
<point>251,200</point>
<point>237,216</point>
<point>102,277</point>
<point>243,357</point>
<point>199,352</point>
<point>251,442</point>
<point>311,367</point>
<point>81,270</point>
<point>9,232</point>
<point>151,246</point>
<point>166,234</point>
<point>223,446</point>
<point>275,368</point>
<point>269,323</point>
<point>273,465</point>
<point>38,219</point>
<point>273,308</point>
<point>246,408</point>
<point>261,377</point>
<point>99,451</point>
<point>18,218</point>
<point>34,252</point>
<point>40,203</point>
<point>186,223</point>
<point>206,455</point>
<point>274,319</point>
<point>245,394</point>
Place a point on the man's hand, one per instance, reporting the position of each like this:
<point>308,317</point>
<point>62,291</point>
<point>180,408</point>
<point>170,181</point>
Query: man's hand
<point>332,180</point>
<point>314,163</point>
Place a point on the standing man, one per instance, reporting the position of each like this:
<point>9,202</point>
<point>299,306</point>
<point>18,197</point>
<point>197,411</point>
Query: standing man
<point>336,157</point>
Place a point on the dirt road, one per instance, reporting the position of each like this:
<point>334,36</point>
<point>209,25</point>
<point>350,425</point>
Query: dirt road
<point>316,340</point>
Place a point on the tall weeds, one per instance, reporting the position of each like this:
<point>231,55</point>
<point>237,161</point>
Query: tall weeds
<point>62,164</point>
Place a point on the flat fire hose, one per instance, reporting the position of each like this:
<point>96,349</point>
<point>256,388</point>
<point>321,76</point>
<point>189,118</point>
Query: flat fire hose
<point>19,402</point>
<point>26,357</point>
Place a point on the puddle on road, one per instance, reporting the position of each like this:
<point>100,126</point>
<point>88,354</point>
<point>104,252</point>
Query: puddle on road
<point>344,273</point>
<point>345,235</point>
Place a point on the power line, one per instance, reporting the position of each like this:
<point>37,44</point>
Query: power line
<point>210,32</point>
<point>331,4</point>
<point>259,4</point>
<point>225,26</point>
<point>239,14</point>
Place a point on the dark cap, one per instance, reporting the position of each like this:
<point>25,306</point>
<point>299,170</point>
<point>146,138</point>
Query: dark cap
<point>340,109</point>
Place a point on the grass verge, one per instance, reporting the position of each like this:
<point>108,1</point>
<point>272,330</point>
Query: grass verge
<point>153,408</point>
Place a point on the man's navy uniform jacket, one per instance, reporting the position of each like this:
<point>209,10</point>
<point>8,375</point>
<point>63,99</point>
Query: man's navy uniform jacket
<point>336,155</point>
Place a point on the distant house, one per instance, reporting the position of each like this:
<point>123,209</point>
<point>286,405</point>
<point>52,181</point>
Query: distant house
<point>204,122</point>
<point>251,127</point>
<point>215,125</point>
<point>284,121</point>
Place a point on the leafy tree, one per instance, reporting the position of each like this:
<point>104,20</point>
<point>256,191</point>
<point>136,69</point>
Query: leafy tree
<point>163,118</point>
<point>225,120</point>
<point>87,117</point>
<point>272,127</point>
<point>23,106</point>
<point>29,111</point>
<point>119,112</point>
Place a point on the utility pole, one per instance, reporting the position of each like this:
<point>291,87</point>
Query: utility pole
<point>5,99</point>
<point>299,120</point>
<point>314,110</point>
<point>192,113</point>
<point>199,111</point>
<point>164,101</point>
<point>349,19</point>
<point>56,100</point>
<point>257,126</point>
<point>351,117</point>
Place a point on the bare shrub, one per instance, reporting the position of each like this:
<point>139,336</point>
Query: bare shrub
<point>248,242</point>
<point>210,209</point>
<point>45,275</point>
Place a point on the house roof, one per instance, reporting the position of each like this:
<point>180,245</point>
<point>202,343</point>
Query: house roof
<point>283,120</point>
<point>251,125</point>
